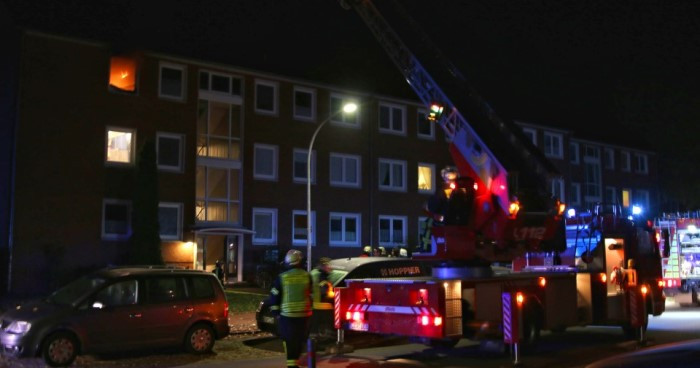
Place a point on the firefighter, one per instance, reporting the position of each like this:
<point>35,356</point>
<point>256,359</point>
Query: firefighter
<point>366,251</point>
<point>322,317</point>
<point>290,297</point>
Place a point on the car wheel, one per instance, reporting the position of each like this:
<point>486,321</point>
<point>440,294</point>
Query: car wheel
<point>199,339</point>
<point>59,349</point>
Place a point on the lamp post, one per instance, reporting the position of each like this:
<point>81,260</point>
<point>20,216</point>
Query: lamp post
<point>348,108</point>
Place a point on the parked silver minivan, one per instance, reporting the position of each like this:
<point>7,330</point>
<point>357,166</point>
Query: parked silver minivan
<point>119,309</point>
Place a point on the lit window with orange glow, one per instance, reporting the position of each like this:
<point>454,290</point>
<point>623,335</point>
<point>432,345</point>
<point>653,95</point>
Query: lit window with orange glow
<point>122,73</point>
<point>120,143</point>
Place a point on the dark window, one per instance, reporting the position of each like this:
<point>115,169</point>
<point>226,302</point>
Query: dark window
<point>169,151</point>
<point>116,219</point>
<point>171,82</point>
<point>202,288</point>
<point>204,80</point>
<point>265,97</point>
<point>220,84</point>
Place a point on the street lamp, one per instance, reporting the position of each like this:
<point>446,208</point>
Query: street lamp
<point>348,108</point>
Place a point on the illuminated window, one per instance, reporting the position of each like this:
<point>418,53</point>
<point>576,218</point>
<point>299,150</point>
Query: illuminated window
<point>426,179</point>
<point>626,198</point>
<point>219,127</point>
<point>120,145</point>
<point>122,73</point>
<point>218,193</point>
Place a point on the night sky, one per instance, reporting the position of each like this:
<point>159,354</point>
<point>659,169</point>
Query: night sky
<point>627,72</point>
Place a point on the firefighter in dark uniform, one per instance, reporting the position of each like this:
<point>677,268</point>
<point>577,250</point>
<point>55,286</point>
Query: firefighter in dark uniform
<point>322,319</point>
<point>290,296</point>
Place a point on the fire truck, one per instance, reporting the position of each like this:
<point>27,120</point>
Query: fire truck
<point>679,236</point>
<point>494,210</point>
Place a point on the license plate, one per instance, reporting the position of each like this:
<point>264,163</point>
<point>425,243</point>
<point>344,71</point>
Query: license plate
<point>270,320</point>
<point>359,326</point>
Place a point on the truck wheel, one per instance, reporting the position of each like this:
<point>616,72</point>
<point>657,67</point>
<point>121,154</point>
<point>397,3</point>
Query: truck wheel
<point>59,349</point>
<point>199,339</point>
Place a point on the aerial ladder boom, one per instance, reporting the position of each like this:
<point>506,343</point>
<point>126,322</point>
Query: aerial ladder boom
<point>466,144</point>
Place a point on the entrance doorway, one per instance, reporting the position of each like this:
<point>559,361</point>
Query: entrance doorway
<point>227,249</point>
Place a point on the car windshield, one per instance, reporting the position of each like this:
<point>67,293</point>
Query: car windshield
<point>76,290</point>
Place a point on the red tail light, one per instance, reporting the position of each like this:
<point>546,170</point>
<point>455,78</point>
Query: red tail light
<point>437,321</point>
<point>226,310</point>
<point>661,284</point>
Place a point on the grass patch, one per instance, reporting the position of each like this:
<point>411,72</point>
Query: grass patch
<point>242,301</point>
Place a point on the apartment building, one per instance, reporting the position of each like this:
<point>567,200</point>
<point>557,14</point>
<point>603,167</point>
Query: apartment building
<point>596,172</point>
<point>231,155</point>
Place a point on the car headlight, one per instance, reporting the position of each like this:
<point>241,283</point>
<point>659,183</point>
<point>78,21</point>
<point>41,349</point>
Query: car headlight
<point>18,327</point>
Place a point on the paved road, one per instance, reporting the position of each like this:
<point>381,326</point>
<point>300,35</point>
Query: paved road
<point>575,348</point>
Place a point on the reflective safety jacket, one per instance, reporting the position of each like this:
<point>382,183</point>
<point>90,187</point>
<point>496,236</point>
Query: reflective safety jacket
<point>322,290</point>
<point>291,294</point>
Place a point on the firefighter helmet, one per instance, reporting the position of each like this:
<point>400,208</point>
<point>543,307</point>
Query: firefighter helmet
<point>293,257</point>
<point>449,173</point>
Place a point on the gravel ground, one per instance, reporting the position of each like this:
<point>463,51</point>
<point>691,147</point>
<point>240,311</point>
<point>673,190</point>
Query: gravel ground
<point>245,342</point>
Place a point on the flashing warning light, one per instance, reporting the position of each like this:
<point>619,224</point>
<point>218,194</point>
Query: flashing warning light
<point>348,315</point>
<point>437,321</point>
<point>658,238</point>
<point>424,320</point>
<point>519,299</point>
<point>513,209</point>
<point>603,277</point>
<point>560,208</point>
<point>542,281</point>
<point>644,289</point>
<point>453,186</point>
<point>367,298</point>
<point>503,187</point>
<point>661,284</point>
<point>636,210</point>
<point>571,213</point>
<point>357,316</point>
<point>476,186</point>
<point>435,112</point>
<point>331,292</point>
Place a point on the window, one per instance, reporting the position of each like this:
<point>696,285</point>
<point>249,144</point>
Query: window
<point>344,229</point>
<point>609,158</point>
<point>299,228</point>
<point>165,289</point>
<point>202,288</point>
<point>172,81</point>
<point>423,236</point>
<point>426,178</point>
<point>170,221</point>
<point>641,198</point>
<point>304,104</point>
<point>392,118</point>
<point>557,188</point>
<point>575,194</point>
<point>218,194</point>
<point>392,175</point>
<point>219,84</point>
<point>118,294</point>
<point>610,195</point>
<point>392,230</point>
<point>626,165</point>
<point>553,145</point>
<point>265,97</point>
<point>573,152</point>
<point>338,116</point>
<point>640,164</point>
<point>265,166</point>
<point>532,134</point>
<point>120,145</point>
<point>626,198</point>
<point>345,170</point>
<point>591,160</point>
<point>116,219</point>
<point>122,74</point>
<point>219,127</point>
<point>169,150</point>
<point>299,166</point>
<point>426,129</point>
<point>265,226</point>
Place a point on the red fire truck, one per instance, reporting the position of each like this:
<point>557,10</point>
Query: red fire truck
<point>597,268</point>
<point>679,236</point>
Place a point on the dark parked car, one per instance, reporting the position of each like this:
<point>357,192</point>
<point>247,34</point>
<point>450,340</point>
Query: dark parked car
<point>119,309</point>
<point>684,354</point>
<point>346,269</point>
